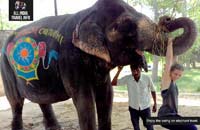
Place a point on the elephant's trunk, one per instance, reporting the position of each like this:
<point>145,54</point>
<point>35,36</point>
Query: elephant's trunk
<point>183,42</point>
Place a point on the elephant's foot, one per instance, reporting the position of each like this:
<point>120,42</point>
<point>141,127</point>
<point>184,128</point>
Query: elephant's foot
<point>52,125</point>
<point>17,126</point>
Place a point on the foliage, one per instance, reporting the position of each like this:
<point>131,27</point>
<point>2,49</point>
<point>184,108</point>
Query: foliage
<point>4,24</point>
<point>148,57</point>
<point>185,84</point>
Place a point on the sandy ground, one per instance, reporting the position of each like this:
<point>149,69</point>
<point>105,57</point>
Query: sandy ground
<point>67,117</point>
<point>189,105</point>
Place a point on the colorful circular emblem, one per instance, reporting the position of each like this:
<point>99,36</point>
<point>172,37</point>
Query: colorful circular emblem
<point>23,54</point>
<point>25,58</point>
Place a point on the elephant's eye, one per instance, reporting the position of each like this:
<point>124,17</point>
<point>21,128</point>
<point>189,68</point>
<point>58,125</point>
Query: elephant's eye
<point>126,26</point>
<point>115,26</point>
<point>168,19</point>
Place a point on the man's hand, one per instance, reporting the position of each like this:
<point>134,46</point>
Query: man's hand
<point>154,109</point>
<point>114,81</point>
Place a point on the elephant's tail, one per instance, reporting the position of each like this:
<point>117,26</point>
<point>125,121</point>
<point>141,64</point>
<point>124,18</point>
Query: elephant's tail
<point>9,79</point>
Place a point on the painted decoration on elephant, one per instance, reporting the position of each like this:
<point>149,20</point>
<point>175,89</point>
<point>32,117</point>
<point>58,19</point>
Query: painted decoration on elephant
<point>25,57</point>
<point>52,33</point>
<point>52,55</point>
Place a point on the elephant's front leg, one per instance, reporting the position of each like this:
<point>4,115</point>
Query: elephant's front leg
<point>104,97</point>
<point>84,103</point>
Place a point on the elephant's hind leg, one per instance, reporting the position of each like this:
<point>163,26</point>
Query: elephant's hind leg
<point>17,123</point>
<point>12,93</point>
<point>50,120</point>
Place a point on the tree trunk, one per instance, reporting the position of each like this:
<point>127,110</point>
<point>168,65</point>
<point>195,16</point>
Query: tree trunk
<point>188,65</point>
<point>184,9</point>
<point>193,64</point>
<point>175,59</point>
<point>155,58</point>
<point>155,68</point>
<point>1,18</point>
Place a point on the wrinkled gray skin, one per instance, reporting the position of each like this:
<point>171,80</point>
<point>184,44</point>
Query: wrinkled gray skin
<point>95,41</point>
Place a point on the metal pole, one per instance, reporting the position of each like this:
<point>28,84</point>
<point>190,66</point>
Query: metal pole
<point>55,7</point>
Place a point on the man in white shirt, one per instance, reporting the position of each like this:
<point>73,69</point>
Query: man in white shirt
<point>139,88</point>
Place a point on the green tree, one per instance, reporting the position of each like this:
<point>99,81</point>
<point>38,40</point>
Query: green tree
<point>4,25</point>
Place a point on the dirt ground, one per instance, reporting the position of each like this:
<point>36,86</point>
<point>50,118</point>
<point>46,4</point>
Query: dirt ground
<point>67,117</point>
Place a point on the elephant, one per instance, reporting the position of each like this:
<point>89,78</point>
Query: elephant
<point>83,48</point>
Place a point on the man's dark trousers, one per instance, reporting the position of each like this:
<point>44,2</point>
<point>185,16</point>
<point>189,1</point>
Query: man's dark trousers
<point>135,116</point>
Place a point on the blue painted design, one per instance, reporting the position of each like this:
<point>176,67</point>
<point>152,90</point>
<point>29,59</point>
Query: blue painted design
<point>24,61</point>
<point>52,55</point>
<point>23,55</point>
<point>3,50</point>
<point>26,75</point>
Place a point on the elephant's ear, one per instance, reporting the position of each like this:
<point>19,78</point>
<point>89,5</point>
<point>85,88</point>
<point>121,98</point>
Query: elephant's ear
<point>90,39</point>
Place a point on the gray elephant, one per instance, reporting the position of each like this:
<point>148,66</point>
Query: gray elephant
<point>83,48</point>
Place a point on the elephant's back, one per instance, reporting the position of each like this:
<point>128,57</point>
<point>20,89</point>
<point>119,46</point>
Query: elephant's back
<point>32,51</point>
